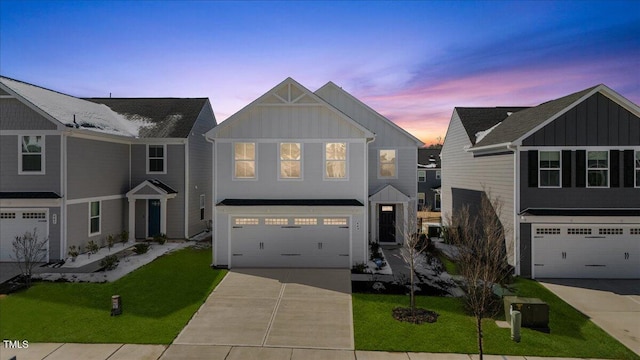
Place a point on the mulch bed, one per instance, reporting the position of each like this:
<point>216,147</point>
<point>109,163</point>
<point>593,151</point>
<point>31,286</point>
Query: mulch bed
<point>419,316</point>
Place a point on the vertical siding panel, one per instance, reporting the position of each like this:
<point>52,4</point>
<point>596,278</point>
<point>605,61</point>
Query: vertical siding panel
<point>581,124</point>
<point>603,107</point>
<point>623,128</point>
<point>634,130</point>
<point>570,127</point>
<point>614,133</point>
<point>592,120</point>
<point>559,129</point>
<point>549,136</point>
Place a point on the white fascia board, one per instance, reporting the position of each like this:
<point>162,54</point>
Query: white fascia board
<point>488,149</point>
<point>32,106</point>
<point>289,210</point>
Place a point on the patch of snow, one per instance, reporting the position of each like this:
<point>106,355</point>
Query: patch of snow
<point>481,134</point>
<point>428,166</point>
<point>86,114</point>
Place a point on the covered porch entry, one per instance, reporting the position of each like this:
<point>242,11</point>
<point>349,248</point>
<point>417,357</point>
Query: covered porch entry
<point>388,210</point>
<point>148,204</point>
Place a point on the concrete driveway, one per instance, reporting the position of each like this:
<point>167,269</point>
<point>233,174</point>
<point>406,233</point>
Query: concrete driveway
<point>614,305</point>
<point>301,308</point>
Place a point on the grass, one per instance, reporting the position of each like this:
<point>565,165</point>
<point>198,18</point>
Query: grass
<point>157,301</point>
<point>572,334</point>
<point>449,266</point>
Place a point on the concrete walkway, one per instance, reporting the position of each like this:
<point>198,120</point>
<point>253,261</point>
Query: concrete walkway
<point>614,305</point>
<point>301,308</point>
<point>49,351</point>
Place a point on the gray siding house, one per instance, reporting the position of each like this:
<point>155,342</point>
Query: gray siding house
<point>306,179</point>
<point>429,179</point>
<point>568,175</point>
<point>82,169</point>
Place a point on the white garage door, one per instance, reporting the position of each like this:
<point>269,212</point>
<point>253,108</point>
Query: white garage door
<point>608,251</point>
<point>15,223</point>
<point>290,242</point>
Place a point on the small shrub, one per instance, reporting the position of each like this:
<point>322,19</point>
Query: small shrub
<point>110,240</point>
<point>160,238</point>
<point>141,248</point>
<point>124,237</point>
<point>110,262</point>
<point>92,247</point>
<point>73,252</point>
<point>375,250</point>
<point>359,268</point>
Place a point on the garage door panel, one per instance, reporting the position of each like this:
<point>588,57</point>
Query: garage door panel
<point>15,223</point>
<point>585,251</point>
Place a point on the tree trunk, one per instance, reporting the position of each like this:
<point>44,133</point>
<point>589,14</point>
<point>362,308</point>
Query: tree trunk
<point>412,296</point>
<point>479,330</point>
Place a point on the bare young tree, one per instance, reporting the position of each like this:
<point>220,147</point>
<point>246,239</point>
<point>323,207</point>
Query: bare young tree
<point>481,258</point>
<point>412,247</point>
<point>29,251</point>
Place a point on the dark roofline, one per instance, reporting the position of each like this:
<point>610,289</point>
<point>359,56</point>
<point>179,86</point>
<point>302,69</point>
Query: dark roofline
<point>28,195</point>
<point>166,188</point>
<point>580,212</point>
<point>290,202</point>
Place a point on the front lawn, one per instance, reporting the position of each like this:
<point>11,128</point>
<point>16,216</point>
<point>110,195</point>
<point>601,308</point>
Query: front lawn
<point>572,334</point>
<point>157,301</point>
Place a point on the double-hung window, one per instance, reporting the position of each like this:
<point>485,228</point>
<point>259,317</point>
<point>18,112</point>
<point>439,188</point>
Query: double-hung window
<point>156,159</point>
<point>597,168</point>
<point>244,160</point>
<point>421,200</point>
<point>422,176</point>
<point>290,161</point>
<point>549,168</point>
<point>202,205</point>
<point>94,218</point>
<point>387,163</point>
<point>31,160</point>
<point>637,162</point>
<point>335,164</point>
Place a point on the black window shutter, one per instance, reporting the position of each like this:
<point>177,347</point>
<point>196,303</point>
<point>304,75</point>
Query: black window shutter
<point>566,168</point>
<point>581,168</point>
<point>614,168</point>
<point>628,168</point>
<point>533,168</point>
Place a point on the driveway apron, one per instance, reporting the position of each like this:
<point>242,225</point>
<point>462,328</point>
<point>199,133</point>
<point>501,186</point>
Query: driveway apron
<point>302,308</point>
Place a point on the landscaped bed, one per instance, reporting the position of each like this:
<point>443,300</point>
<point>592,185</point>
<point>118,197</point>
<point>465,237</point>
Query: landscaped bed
<point>157,300</point>
<point>572,334</point>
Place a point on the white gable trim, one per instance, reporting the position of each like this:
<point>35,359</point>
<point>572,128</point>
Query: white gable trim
<point>211,134</point>
<point>389,194</point>
<point>604,90</point>
<point>33,107</point>
<point>377,114</point>
<point>132,194</point>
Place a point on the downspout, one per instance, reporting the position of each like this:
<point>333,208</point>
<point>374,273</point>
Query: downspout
<point>214,194</point>
<point>63,190</point>
<point>187,187</point>
<point>516,208</point>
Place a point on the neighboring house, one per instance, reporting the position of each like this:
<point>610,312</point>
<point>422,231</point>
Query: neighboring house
<point>429,179</point>
<point>82,169</point>
<point>567,173</point>
<point>307,178</point>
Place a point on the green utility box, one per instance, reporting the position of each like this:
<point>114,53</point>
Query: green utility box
<point>535,312</point>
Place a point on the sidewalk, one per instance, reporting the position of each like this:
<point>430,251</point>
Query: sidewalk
<point>55,351</point>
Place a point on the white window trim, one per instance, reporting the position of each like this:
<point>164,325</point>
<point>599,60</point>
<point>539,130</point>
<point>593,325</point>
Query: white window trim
<point>280,178</point>
<point>164,159</point>
<point>636,168</point>
<point>395,160</point>
<point>99,219</point>
<point>324,161</point>
<point>438,174</point>
<point>255,161</point>
<point>425,175</point>
<point>42,156</point>
<point>424,198</point>
<point>559,169</point>
<point>608,169</point>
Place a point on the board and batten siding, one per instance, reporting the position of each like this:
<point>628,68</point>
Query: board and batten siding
<point>311,186</point>
<point>14,115</point>
<point>11,181</point>
<point>113,215</point>
<point>175,178</point>
<point>200,165</point>
<point>597,121</point>
<point>96,168</point>
<point>492,174</point>
<point>406,181</point>
<point>288,122</point>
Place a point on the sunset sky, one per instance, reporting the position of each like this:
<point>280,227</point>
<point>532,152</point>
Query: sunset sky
<point>411,61</point>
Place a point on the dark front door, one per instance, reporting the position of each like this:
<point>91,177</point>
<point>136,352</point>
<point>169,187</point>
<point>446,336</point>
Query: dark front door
<point>154,217</point>
<point>387,223</point>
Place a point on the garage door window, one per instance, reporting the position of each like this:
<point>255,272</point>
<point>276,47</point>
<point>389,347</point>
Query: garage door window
<point>33,215</point>
<point>335,221</point>
<point>246,221</point>
<point>548,231</point>
<point>7,215</point>
<point>244,160</point>
<point>94,218</point>
<point>579,231</point>
<point>612,231</point>
<point>31,160</point>
<point>635,231</point>
<point>305,221</point>
<point>597,168</point>
<point>276,221</point>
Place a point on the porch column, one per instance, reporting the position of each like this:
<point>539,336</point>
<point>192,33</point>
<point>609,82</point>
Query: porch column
<point>132,218</point>
<point>163,215</point>
<point>405,215</point>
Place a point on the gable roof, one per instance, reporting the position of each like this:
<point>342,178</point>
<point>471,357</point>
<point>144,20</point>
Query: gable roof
<point>518,124</point>
<point>388,192</point>
<point>477,119</point>
<point>427,157</point>
<point>282,94</point>
<point>337,88</point>
<point>166,117</point>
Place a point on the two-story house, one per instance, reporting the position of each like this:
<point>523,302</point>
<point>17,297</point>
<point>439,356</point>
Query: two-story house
<point>78,170</point>
<point>567,173</point>
<point>306,179</point>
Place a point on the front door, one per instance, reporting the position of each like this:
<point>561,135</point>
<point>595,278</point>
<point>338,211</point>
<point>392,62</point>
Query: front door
<point>387,223</point>
<point>154,218</point>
